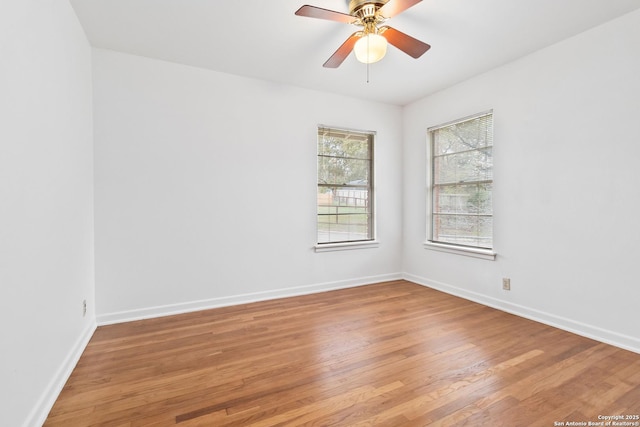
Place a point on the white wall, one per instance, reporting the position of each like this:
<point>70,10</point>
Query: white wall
<point>566,200</point>
<point>205,188</point>
<point>46,204</point>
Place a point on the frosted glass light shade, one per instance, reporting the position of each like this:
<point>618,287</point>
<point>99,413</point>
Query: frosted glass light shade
<point>370,48</point>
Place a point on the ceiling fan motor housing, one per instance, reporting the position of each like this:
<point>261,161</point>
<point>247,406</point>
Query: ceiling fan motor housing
<point>364,9</point>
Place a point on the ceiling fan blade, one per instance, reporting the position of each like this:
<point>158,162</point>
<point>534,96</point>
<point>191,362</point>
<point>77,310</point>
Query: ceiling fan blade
<point>394,7</point>
<point>320,13</point>
<point>343,51</point>
<point>407,44</point>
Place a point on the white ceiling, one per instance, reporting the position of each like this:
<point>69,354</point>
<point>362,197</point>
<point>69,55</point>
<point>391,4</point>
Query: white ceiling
<point>265,40</point>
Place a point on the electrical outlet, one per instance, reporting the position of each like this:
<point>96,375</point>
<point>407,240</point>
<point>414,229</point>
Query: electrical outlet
<point>506,284</point>
<point>84,308</point>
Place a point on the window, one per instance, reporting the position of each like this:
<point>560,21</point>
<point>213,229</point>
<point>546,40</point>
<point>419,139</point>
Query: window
<point>461,182</point>
<point>345,186</point>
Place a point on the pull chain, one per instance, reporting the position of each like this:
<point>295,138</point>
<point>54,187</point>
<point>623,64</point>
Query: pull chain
<point>368,59</point>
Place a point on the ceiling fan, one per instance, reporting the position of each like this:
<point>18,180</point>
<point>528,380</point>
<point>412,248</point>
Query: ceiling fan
<point>369,43</point>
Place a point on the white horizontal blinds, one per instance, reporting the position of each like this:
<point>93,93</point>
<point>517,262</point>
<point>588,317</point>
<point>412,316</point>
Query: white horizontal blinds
<point>345,170</point>
<point>462,181</point>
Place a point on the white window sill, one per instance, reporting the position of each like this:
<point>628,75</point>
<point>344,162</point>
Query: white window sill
<point>459,250</point>
<point>330,247</point>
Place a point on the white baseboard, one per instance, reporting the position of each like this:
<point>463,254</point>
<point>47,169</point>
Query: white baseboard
<point>609,337</point>
<point>39,414</point>
<point>168,310</point>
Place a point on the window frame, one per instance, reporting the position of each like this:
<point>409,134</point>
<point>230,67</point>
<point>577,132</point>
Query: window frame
<point>472,251</point>
<point>371,241</point>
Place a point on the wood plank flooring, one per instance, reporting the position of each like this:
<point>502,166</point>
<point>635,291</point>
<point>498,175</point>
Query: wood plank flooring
<point>387,354</point>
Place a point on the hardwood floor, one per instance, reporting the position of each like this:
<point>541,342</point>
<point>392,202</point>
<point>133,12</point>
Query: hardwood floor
<point>388,354</point>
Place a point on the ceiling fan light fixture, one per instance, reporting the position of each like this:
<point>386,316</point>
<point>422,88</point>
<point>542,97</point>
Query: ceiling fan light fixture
<point>370,48</point>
